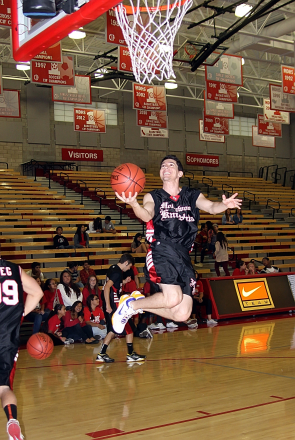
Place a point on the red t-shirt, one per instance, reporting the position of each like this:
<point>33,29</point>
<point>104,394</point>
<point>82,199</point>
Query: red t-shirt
<point>237,272</point>
<point>86,293</point>
<point>131,286</point>
<point>68,321</point>
<point>48,299</point>
<point>97,313</point>
<point>54,324</point>
<point>85,275</point>
<point>199,288</point>
<point>83,241</point>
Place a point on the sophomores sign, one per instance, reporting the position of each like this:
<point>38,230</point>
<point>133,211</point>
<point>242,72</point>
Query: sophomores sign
<point>202,160</point>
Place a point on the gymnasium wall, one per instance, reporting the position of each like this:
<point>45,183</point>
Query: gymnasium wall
<point>37,136</point>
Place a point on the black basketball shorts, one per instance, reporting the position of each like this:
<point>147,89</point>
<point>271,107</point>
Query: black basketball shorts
<point>170,264</point>
<point>8,357</point>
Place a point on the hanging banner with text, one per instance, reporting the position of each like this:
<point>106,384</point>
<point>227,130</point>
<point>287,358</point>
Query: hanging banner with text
<point>10,104</point>
<point>89,120</point>
<point>81,154</point>
<point>217,91</point>
<point>220,109</point>
<point>5,13</point>
<point>262,141</point>
<point>147,118</point>
<point>207,137</point>
<point>153,132</point>
<point>202,160</point>
<point>274,115</point>
<point>269,128</point>
<point>288,79</point>
<point>215,125</point>
<point>53,73</point>
<point>113,32</point>
<point>280,100</point>
<point>228,69</point>
<point>148,97</point>
<point>124,60</point>
<point>52,53</point>
<point>80,93</point>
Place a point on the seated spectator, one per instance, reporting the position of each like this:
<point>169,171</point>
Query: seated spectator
<point>268,268</point>
<point>214,235</point>
<point>50,294</point>
<point>200,299</point>
<point>107,225</point>
<point>241,269</point>
<point>227,218</point>
<point>202,241</point>
<point>209,245</point>
<point>94,316</point>
<point>59,241</point>
<point>238,217</point>
<point>221,254</point>
<point>81,239</point>
<point>73,271</point>
<point>54,325</point>
<point>137,246</point>
<point>251,268</point>
<point>36,271</point>
<point>39,314</point>
<point>91,288</point>
<point>68,291</point>
<point>95,226</point>
<point>75,327</point>
<point>131,281</point>
<point>86,272</point>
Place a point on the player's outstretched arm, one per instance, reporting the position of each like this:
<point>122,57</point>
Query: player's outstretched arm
<point>217,207</point>
<point>33,290</point>
<point>145,212</point>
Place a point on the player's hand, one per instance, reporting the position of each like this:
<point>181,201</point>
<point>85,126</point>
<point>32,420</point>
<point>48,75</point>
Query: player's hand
<point>109,309</point>
<point>232,202</point>
<point>127,199</point>
<point>127,280</point>
<point>80,319</point>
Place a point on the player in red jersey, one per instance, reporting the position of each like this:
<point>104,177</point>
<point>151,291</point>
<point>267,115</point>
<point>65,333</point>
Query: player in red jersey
<point>172,215</point>
<point>12,308</point>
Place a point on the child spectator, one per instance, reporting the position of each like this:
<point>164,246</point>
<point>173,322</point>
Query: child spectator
<point>137,246</point>
<point>94,316</point>
<point>86,272</point>
<point>227,218</point>
<point>95,226</point>
<point>251,268</point>
<point>81,239</point>
<point>75,327</point>
<point>36,271</point>
<point>68,291</point>
<point>268,268</point>
<point>91,288</point>
<point>241,269</point>
<point>54,326</point>
<point>107,225</point>
<point>221,254</point>
<point>50,294</point>
<point>73,271</point>
<point>238,217</point>
<point>200,299</point>
<point>59,241</point>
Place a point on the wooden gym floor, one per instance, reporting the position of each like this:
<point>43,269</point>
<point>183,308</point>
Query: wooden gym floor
<point>228,382</point>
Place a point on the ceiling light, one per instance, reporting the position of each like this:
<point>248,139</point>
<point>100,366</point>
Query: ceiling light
<point>24,66</point>
<point>171,84</point>
<point>243,61</point>
<point>77,35</point>
<point>238,95</point>
<point>243,10</point>
<point>99,73</point>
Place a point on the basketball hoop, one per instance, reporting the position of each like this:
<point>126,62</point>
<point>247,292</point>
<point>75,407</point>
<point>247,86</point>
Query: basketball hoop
<point>149,35</point>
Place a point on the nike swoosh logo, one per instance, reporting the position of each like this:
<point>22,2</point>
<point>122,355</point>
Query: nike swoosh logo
<point>246,294</point>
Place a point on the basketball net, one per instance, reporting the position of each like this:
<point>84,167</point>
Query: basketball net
<point>150,35</point>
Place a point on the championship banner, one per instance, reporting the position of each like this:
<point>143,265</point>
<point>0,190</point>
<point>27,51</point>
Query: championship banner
<point>153,132</point>
<point>220,109</point>
<point>82,154</point>
<point>89,120</point>
<point>5,13</point>
<point>288,79</point>
<point>274,115</point>
<point>228,69</point>
<point>202,160</point>
<point>113,32</point>
<point>80,93</point>
<point>207,137</point>
<point>217,91</point>
<point>52,53</point>
<point>253,294</point>
<point>215,125</point>
<point>147,118</point>
<point>148,97</point>
<point>10,104</point>
<point>53,73</point>
<point>269,128</point>
<point>280,100</point>
<point>124,60</point>
<point>262,141</point>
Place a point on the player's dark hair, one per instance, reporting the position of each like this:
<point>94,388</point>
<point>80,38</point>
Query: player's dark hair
<point>70,286</point>
<point>97,223</point>
<point>59,227</point>
<point>88,304</point>
<point>220,237</point>
<point>126,257</point>
<point>108,218</point>
<point>136,241</point>
<point>35,264</point>
<point>171,156</point>
<point>239,264</point>
<point>74,314</point>
<point>79,233</point>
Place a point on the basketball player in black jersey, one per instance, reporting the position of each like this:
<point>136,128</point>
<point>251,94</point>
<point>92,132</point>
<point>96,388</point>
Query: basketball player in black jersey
<point>13,280</point>
<point>172,215</point>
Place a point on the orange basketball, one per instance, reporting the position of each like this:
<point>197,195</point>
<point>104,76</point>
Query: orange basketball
<point>128,178</point>
<point>40,346</point>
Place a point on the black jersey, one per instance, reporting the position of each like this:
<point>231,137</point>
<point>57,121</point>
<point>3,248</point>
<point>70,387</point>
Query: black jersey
<point>115,274</point>
<point>176,217</point>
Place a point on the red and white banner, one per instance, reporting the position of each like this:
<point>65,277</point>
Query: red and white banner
<point>147,118</point>
<point>153,132</point>
<point>113,31</point>
<point>52,53</point>
<point>124,60</point>
<point>89,120</point>
<point>10,104</point>
<point>269,128</point>
<point>53,73</point>
<point>274,115</point>
<point>148,97</point>
<point>228,69</point>
<point>5,13</point>
<point>220,109</point>
<point>80,93</point>
<point>280,100</point>
<point>202,160</point>
<point>215,125</point>
<point>207,137</point>
<point>217,91</point>
<point>81,154</point>
<point>262,141</point>
<point>288,79</point>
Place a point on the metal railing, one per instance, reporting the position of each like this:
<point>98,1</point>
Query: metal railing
<point>207,184</point>
<point>64,184</point>
<point>247,198</point>
<point>5,164</point>
<point>226,191</point>
<point>185,176</point>
<point>272,207</point>
<point>82,190</point>
<point>100,166</point>
<point>267,167</point>
<point>240,172</point>
<point>276,176</point>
